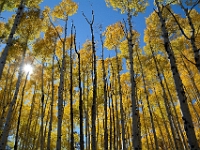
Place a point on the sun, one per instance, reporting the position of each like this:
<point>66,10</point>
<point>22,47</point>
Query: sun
<point>28,68</point>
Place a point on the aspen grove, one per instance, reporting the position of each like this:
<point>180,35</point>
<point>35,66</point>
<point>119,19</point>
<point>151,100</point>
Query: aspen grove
<point>78,97</point>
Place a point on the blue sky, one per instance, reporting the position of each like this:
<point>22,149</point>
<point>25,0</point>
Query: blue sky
<point>103,16</point>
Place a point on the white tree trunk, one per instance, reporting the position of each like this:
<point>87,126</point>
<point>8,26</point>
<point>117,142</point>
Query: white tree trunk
<point>60,94</point>
<point>10,38</point>
<point>135,111</point>
<point>187,118</point>
<point>6,129</point>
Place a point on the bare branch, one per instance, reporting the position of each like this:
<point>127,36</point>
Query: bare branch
<point>180,28</point>
<point>197,2</point>
<point>57,61</point>
<point>126,30</point>
<point>55,29</point>
<point>187,59</point>
<point>197,31</point>
<point>75,42</point>
<point>89,22</point>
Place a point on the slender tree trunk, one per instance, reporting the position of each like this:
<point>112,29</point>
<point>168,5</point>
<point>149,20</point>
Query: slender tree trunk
<point>135,115</point>
<point>1,6</point>
<point>114,125</point>
<point>60,93</point>
<point>71,96</point>
<point>80,97</point>
<point>148,133</point>
<point>191,78</point>
<point>148,104</point>
<point>145,127</point>
<point>20,112</point>
<point>10,37</point>
<point>160,130</point>
<point>189,127</point>
<point>35,138</point>
<point>42,111</point>
<point>176,114</point>
<point>121,102</point>
<point>29,121</point>
<point>3,100</point>
<point>87,118</point>
<point>165,99</point>
<point>45,128</point>
<point>110,121</point>
<point>105,99</point>
<point>164,121</point>
<point>52,100</point>
<point>192,39</point>
<point>12,104</point>
<point>10,93</point>
<point>194,109</point>
<point>84,106</point>
<point>117,127</point>
<point>94,105</point>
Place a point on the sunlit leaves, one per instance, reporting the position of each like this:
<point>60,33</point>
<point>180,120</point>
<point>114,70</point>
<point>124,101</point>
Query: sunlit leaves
<point>114,34</point>
<point>30,25</point>
<point>11,4</point>
<point>134,6</point>
<point>64,9</point>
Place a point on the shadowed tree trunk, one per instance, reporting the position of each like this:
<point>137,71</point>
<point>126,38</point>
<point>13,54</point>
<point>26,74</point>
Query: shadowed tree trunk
<point>148,103</point>
<point>12,104</point>
<point>192,38</point>
<point>94,105</point>
<point>10,38</point>
<point>42,110</point>
<point>29,121</point>
<point>60,91</point>
<point>3,103</point>
<point>71,93</point>
<point>188,124</point>
<point>110,116</point>
<point>80,96</point>
<point>20,112</point>
<point>164,95</point>
<point>105,99</point>
<point>135,115</point>
<point>52,99</point>
<point>121,102</point>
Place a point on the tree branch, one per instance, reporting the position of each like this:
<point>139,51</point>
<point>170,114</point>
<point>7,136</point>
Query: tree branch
<point>180,28</point>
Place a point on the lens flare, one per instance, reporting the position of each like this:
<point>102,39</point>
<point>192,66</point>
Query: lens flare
<point>28,68</point>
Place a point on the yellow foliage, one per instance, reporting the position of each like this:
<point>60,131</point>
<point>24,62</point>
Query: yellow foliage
<point>64,9</point>
<point>134,6</point>
<point>114,34</point>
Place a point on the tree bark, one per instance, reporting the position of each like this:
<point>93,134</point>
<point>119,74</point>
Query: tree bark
<point>105,99</point>
<point>42,110</point>
<point>52,100</point>
<point>71,95</point>
<point>121,102</point>
<point>20,112</point>
<point>148,104</point>
<point>94,99</point>
<point>189,127</point>
<point>60,92</point>
<point>12,104</point>
<point>135,115</point>
<point>80,96</point>
<point>10,37</point>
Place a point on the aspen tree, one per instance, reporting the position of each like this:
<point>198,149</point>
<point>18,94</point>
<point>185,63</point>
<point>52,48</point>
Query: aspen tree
<point>94,105</point>
<point>13,102</point>
<point>189,127</point>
